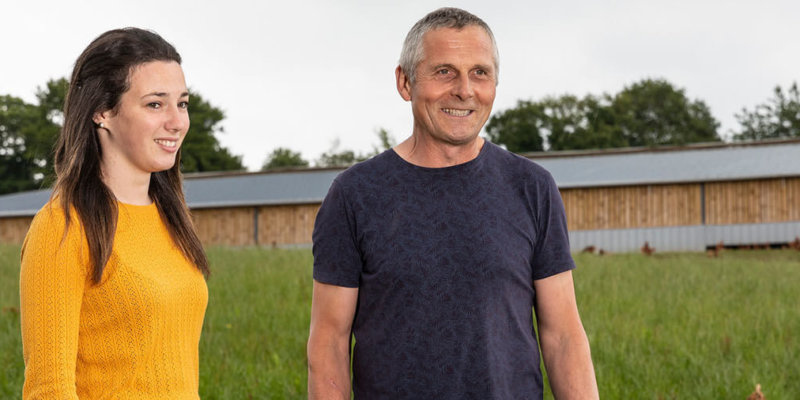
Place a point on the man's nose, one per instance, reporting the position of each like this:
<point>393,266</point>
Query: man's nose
<point>462,87</point>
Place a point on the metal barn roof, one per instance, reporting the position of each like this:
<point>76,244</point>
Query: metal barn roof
<point>295,187</point>
<point>696,163</point>
<point>216,190</point>
<point>23,204</point>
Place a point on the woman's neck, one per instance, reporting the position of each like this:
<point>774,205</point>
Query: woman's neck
<point>128,188</point>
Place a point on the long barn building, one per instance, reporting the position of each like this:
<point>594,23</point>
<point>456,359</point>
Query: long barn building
<point>674,198</point>
<point>680,199</point>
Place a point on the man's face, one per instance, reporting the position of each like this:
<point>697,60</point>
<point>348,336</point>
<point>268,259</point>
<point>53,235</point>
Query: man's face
<point>455,84</point>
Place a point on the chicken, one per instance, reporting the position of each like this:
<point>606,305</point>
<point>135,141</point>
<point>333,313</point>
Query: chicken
<point>646,249</point>
<point>757,395</point>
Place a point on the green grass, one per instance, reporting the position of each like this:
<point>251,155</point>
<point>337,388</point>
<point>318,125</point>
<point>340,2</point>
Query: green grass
<point>671,326</point>
<point>256,328</point>
<point>681,326</point>
<point>13,369</point>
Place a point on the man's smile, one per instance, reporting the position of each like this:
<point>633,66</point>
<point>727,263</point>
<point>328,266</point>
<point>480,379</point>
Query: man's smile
<point>456,112</point>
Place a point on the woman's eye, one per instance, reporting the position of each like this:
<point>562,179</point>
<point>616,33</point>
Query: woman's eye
<point>154,105</point>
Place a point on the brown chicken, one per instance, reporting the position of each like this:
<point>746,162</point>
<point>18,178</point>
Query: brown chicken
<point>757,395</point>
<point>646,249</point>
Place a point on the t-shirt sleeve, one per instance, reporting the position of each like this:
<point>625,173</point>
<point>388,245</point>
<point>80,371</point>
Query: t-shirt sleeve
<point>337,258</point>
<point>551,251</point>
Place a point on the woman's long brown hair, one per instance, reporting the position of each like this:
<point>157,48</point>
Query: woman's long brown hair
<point>101,76</point>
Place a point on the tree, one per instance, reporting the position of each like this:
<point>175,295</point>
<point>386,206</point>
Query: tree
<point>648,113</point>
<point>201,150</point>
<point>565,122</point>
<point>779,117</point>
<point>15,167</point>
<point>344,158</point>
<point>336,158</point>
<point>518,127</point>
<point>28,133</point>
<point>51,116</point>
<point>283,158</point>
<point>653,112</point>
<point>596,127</point>
<point>386,142</point>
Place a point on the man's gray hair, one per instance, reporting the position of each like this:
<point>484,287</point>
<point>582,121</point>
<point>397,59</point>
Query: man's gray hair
<point>446,17</point>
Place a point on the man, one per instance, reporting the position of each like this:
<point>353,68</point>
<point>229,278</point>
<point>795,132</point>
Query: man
<point>432,254</point>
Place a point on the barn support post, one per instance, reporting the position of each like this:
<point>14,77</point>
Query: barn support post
<point>702,203</point>
<point>255,226</point>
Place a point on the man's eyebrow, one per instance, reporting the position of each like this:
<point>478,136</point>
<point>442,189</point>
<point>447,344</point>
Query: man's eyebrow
<point>485,67</point>
<point>439,66</point>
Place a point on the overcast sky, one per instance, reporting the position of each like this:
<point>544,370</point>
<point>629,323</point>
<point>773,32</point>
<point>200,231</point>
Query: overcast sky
<point>302,74</point>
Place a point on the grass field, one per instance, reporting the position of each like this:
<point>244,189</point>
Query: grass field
<point>670,326</point>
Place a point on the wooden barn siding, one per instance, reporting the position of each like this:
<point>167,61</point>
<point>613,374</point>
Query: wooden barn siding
<point>753,201</point>
<point>286,225</point>
<point>14,229</point>
<point>277,225</point>
<point>632,206</point>
<point>225,226</point>
<point>733,202</point>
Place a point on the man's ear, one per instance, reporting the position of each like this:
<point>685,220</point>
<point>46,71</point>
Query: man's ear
<point>403,83</point>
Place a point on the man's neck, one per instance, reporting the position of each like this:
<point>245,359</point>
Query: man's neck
<point>429,153</point>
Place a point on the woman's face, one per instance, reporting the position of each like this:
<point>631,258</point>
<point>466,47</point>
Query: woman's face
<point>146,130</point>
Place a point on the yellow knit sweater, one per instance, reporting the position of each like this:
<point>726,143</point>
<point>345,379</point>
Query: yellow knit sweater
<point>133,336</point>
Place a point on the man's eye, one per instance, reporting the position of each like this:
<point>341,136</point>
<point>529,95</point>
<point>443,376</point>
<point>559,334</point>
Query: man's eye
<point>183,104</point>
<point>443,72</point>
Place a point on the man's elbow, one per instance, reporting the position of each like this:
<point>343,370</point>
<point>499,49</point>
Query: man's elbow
<point>313,353</point>
<point>560,341</point>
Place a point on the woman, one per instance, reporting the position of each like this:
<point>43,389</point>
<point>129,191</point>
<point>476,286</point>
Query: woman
<point>112,282</point>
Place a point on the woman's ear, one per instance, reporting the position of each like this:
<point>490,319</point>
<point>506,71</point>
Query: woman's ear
<point>100,118</point>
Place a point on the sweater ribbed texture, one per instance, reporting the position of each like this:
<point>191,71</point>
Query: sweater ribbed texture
<point>135,335</point>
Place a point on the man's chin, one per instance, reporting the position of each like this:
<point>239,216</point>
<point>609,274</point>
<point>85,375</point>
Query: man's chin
<point>460,140</point>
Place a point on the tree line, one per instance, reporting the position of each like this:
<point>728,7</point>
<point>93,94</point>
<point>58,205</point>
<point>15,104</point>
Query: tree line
<point>287,158</point>
<point>650,112</point>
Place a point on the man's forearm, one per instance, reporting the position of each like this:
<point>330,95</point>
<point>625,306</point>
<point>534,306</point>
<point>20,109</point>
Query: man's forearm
<point>569,367</point>
<point>332,311</point>
<point>328,372</point>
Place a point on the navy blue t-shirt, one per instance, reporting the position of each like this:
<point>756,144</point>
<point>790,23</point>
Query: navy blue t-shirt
<point>444,259</point>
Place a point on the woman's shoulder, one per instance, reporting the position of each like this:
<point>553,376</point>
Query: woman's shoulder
<point>52,215</point>
<point>52,221</point>
<point>53,251</point>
